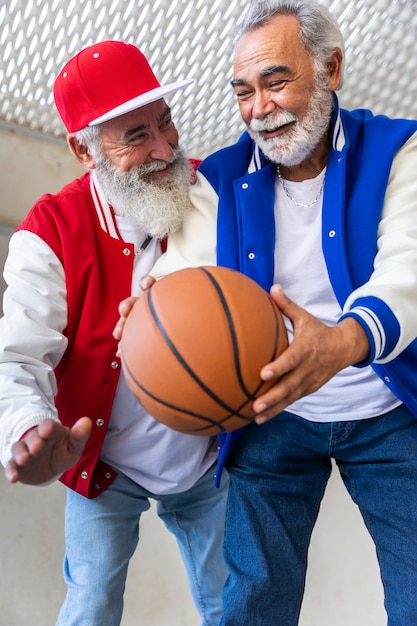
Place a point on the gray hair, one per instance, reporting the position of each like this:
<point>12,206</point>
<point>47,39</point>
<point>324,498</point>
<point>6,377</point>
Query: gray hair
<point>90,137</point>
<point>319,31</point>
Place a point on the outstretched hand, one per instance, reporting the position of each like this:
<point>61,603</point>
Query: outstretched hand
<point>47,451</point>
<point>316,354</point>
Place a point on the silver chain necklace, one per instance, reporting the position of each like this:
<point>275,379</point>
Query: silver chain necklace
<point>293,200</point>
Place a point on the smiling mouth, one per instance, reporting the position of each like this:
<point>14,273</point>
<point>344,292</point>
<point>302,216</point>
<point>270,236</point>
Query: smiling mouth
<point>275,132</point>
<point>160,172</point>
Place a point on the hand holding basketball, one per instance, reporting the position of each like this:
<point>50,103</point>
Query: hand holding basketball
<point>194,344</point>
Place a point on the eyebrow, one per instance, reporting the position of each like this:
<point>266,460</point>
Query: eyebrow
<point>132,131</point>
<point>275,69</point>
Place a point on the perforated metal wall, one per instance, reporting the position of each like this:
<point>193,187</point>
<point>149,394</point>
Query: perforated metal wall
<point>193,38</point>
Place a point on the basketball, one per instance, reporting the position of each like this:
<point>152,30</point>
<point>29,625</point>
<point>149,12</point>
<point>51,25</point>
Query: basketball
<point>193,346</point>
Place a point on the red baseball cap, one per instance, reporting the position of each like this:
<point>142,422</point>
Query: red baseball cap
<point>104,81</point>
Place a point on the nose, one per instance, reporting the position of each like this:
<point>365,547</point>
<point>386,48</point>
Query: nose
<point>161,148</point>
<point>262,105</point>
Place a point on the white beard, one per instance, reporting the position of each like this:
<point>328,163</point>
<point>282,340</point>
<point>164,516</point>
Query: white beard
<point>293,147</point>
<point>159,206</point>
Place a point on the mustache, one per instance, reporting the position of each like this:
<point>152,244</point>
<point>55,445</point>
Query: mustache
<point>156,166</point>
<point>272,121</point>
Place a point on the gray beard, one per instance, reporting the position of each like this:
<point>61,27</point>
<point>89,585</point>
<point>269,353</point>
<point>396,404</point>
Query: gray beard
<point>299,143</point>
<point>159,206</point>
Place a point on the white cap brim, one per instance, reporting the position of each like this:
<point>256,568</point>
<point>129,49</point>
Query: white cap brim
<point>142,100</point>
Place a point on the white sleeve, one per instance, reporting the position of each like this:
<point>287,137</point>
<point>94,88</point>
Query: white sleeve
<point>394,279</point>
<point>195,243</point>
<point>31,337</point>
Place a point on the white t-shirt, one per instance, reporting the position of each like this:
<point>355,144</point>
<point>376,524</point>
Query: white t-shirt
<point>354,393</point>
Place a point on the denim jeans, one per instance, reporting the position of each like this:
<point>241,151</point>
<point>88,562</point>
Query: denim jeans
<point>278,475</point>
<point>102,534</point>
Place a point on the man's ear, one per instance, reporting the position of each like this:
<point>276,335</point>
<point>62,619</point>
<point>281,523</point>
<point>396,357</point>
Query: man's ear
<point>335,69</point>
<point>80,151</point>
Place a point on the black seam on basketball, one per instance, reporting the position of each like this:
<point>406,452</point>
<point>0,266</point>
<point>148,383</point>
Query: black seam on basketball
<point>183,362</point>
<point>276,343</point>
<point>211,422</point>
<point>232,330</point>
<point>277,333</point>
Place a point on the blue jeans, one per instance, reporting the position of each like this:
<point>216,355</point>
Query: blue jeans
<point>278,475</point>
<point>102,535</point>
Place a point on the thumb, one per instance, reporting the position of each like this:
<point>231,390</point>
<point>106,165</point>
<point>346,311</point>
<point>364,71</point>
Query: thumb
<point>285,304</point>
<point>80,433</point>
<point>146,282</point>
<point>279,297</point>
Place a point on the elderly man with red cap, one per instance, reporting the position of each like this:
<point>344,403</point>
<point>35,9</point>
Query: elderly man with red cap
<point>66,412</point>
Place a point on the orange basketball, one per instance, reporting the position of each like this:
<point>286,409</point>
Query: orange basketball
<point>193,346</point>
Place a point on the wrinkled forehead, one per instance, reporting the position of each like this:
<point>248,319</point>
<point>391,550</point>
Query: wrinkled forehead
<point>276,43</point>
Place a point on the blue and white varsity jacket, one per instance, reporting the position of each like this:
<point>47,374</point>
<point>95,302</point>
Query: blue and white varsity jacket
<point>369,233</point>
